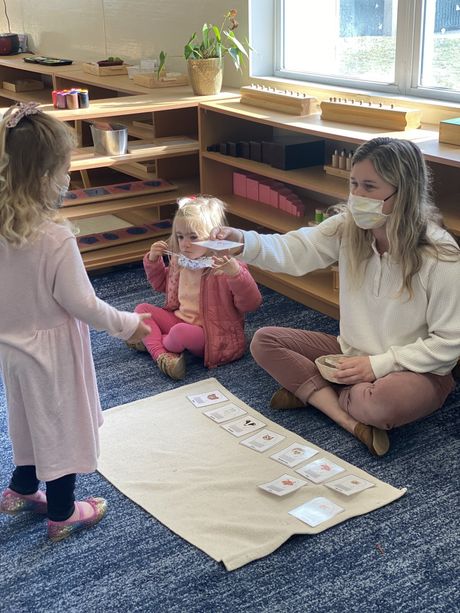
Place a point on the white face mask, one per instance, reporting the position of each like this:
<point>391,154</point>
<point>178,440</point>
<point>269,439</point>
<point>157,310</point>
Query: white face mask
<point>185,262</point>
<point>63,189</point>
<point>367,212</point>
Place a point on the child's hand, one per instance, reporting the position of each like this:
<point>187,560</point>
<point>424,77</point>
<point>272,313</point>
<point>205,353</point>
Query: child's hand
<point>157,250</point>
<point>225,264</point>
<point>141,330</point>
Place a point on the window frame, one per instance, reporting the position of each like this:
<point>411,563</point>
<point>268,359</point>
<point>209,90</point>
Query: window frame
<point>409,40</point>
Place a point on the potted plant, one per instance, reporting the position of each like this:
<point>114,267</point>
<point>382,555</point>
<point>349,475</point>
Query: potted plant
<point>205,57</point>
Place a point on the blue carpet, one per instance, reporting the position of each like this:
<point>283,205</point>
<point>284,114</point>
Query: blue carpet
<point>403,557</point>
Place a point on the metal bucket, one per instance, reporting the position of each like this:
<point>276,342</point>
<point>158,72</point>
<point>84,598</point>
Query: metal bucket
<point>110,142</point>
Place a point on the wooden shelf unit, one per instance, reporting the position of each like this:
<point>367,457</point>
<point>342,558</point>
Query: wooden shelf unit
<point>163,131</point>
<point>229,120</point>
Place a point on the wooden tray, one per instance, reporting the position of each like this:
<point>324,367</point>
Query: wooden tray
<point>150,80</point>
<point>104,71</point>
<point>101,240</point>
<point>117,190</point>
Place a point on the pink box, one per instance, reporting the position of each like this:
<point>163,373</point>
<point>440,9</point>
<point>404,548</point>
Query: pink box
<point>274,197</point>
<point>239,184</point>
<point>297,207</point>
<point>264,192</point>
<point>284,203</point>
<point>252,188</point>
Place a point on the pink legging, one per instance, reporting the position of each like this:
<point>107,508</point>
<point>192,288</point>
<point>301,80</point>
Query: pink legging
<point>399,398</point>
<point>169,333</point>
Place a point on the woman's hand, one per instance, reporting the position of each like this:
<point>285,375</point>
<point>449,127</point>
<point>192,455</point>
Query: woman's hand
<point>225,264</point>
<point>227,233</point>
<point>157,250</point>
<point>141,330</point>
<point>354,370</point>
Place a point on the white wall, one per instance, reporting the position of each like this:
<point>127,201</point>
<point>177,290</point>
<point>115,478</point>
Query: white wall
<point>132,29</point>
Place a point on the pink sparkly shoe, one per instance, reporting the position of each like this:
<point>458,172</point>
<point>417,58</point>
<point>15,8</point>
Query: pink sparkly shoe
<point>11,502</point>
<point>59,530</point>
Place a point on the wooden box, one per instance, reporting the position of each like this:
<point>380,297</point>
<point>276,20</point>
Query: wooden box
<point>376,115</point>
<point>449,131</point>
<point>151,80</point>
<point>104,71</point>
<point>293,103</point>
<point>23,85</point>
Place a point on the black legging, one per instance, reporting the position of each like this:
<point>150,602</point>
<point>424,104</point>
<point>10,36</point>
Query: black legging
<point>59,493</point>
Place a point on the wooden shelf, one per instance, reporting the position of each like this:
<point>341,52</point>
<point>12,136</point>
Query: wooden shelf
<point>42,96</point>
<point>313,178</point>
<point>229,120</point>
<point>86,157</point>
<point>263,214</point>
<point>314,290</point>
<point>132,203</point>
<point>113,256</point>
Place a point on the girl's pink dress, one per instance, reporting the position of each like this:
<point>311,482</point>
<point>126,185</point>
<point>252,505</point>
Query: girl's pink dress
<point>46,304</point>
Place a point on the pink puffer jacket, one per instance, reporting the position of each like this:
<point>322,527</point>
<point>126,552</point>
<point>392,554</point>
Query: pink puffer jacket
<point>223,302</point>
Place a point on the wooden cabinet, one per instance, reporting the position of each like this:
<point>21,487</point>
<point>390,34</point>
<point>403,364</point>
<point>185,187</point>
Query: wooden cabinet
<point>163,144</point>
<point>223,121</point>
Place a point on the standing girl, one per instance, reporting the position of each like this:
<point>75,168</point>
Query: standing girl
<point>399,295</point>
<point>206,297</point>
<point>45,353</point>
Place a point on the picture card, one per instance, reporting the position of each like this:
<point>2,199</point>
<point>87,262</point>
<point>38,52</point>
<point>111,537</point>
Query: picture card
<point>294,454</point>
<point>263,440</point>
<point>283,485</point>
<point>319,470</point>
<point>316,511</point>
<point>349,485</point>
<point>218,245</point>
<point>207,398</point>
<point>243,426</point>
<point>229,411</point>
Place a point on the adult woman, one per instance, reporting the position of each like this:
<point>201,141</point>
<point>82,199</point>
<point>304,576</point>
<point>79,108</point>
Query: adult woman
<point>399,294</point>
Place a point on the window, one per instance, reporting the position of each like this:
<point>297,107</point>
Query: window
<point>410,47</point>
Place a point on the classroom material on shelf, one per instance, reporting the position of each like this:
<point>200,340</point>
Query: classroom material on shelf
<point>101,193</point>
<point>286,152</point>
<point>119,236</point>
<point>284,101</point>
<point>168,79</point>
<point>373,114</point>
<point>45,60</point>
<point>75,98</point>
<point>273,193</point>
<point>23,85</point>
<point>105,71</point>
<point>340,165</point>
<point>449,131</point>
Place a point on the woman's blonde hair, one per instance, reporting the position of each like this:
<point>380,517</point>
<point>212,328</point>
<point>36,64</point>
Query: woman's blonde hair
<point>401,164</point>
<point>201,213</point>
<point>32,153</point>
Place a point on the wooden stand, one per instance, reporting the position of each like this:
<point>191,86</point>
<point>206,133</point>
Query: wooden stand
<point>337,172</point>
<point>371,114</point>
<point>289,102</point>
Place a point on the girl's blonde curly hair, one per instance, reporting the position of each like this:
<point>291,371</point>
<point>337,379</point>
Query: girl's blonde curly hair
<point>32,154</point>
